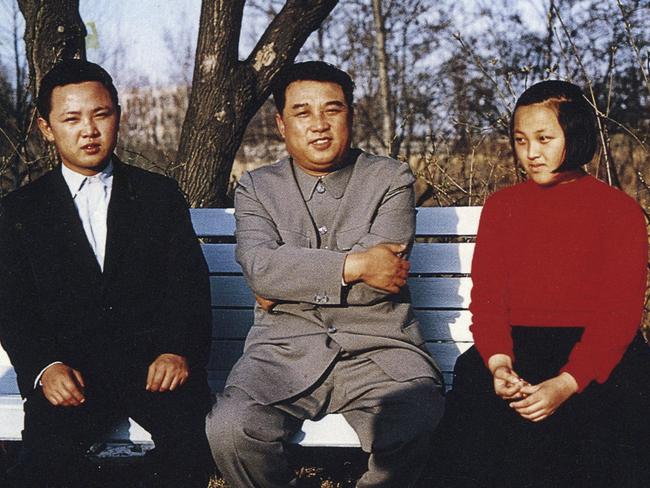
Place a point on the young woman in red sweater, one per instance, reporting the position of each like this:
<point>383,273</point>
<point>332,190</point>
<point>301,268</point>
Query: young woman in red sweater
<point>555,391</point>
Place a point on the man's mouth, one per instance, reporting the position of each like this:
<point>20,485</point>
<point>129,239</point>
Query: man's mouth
<point>321,142</point>
<point>92,148</point>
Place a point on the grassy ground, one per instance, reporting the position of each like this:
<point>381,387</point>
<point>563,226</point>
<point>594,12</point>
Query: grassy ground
<point>315,468</point>
<point>322,467</point>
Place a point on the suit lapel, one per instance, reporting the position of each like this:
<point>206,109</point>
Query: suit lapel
<point>120,220</point>
<point>73,237</point>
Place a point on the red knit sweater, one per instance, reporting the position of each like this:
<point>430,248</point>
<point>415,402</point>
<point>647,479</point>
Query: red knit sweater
<point>574,254</point>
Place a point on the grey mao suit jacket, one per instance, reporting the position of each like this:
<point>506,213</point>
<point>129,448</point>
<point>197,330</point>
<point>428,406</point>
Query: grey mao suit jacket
<point>289,348</point>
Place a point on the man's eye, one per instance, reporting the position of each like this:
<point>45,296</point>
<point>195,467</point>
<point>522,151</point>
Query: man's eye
<point>519,140</point>
<point>302,114</point>
<point>70,119</point>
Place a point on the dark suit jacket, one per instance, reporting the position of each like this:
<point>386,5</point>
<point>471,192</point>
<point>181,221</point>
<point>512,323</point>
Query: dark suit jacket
<point>55,303</point>
<point>288,349</point>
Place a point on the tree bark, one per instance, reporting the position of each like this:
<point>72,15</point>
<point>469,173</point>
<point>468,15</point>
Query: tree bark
<point>388,123</point>
<point>226,92</point>
<point>53,31</point>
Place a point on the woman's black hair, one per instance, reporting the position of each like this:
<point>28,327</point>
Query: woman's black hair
<point>574,114</point>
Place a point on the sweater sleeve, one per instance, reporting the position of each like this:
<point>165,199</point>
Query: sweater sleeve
<point>489,306</point>
<point>618,308</point>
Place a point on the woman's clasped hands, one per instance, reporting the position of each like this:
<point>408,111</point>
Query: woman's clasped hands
<point>532,402</point>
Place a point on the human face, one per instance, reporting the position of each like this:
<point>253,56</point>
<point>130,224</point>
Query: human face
<point>315,124</point>
<point>83,126</point>
<point>540,144</point>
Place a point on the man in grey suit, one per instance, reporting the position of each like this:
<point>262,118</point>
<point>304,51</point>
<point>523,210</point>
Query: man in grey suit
<point>321,238</point>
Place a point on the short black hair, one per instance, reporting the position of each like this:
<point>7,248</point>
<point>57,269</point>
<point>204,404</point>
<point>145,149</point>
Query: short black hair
<point>311,71</point>
<point>574,114</point>
<point>69,72</point>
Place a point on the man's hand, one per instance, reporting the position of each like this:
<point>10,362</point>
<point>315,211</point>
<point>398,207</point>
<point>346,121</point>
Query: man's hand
<point>545,398</point>
<point>507,383</point>
<point>63,386</point>
<point>167,372</point>
<point>266,304</point>
<point>381,267</point>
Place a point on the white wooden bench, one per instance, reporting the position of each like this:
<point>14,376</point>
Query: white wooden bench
<point>440,287</point>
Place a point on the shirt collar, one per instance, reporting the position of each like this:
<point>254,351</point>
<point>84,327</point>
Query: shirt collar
<point>334,182</point>
<point>76,180</point>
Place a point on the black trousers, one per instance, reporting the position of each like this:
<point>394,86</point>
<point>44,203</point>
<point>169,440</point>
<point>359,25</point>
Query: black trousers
<point>55,439</point>
<point>599,438</point>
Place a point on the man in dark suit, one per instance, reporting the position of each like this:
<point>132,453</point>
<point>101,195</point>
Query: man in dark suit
<point>105,296</point>
<point>321,238</point>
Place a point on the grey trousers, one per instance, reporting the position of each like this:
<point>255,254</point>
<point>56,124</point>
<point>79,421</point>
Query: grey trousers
<point>394,421</point>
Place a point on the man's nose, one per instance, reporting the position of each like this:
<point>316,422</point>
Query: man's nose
<point>320,122</point>
<point>89,128</point>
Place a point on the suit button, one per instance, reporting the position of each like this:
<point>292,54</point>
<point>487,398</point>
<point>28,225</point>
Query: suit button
<point>322,230</point>
<point>331,329</point>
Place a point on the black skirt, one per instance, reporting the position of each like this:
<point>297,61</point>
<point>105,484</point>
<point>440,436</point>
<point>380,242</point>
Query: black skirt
<point>598,438</point>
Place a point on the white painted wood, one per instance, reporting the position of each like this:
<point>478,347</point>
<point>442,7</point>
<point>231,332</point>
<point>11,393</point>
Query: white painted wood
<point>426,292</point>
<point>447,221</point>
<point>426,258</point>
<point>331,431</point>
<point>431,221</point>
<point>11,417</point>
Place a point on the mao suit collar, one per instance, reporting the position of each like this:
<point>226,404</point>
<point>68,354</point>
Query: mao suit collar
<point>335,182</point>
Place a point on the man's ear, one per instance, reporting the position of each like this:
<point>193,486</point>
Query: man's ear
<point>118,112</point>
<point>46,130</point>
<point>280,124</point>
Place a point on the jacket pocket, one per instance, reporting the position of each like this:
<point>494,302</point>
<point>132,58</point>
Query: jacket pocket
<point>293,238</point>
<point>348,238</point>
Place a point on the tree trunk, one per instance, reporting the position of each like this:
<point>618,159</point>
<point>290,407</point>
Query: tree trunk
<point>53,31</point>
<point>226,92</point>
<point>388,123</point>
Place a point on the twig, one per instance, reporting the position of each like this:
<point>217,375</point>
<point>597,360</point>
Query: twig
<point>599,120</point>
<point>632,42</point>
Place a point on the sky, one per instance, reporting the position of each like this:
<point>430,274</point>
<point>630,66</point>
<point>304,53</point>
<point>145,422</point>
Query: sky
<point>138,28</point>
